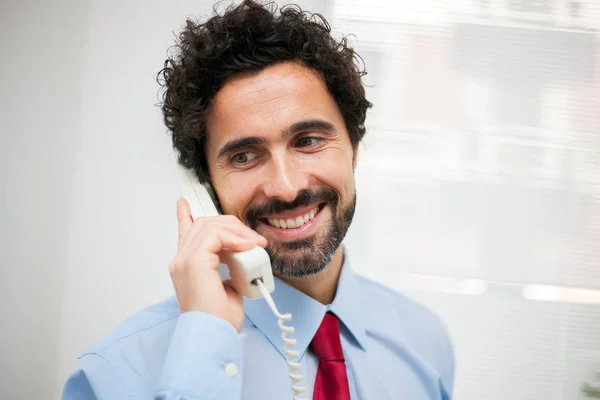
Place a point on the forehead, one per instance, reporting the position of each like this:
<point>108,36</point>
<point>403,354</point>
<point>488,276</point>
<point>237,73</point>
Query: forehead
<point>268,101</point>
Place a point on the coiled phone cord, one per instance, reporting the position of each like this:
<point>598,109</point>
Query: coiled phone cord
<point>287,342</point>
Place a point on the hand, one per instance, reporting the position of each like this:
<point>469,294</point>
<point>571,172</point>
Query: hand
<point>194,269</point>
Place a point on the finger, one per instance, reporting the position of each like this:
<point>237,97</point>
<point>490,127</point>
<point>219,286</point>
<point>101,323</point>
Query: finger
<point>219,237</point>
<point>233,224</point>
<point>245,232</point>
<point>184,221</point>
<point>202,245</point>
<point>208,225</point>
<point>225,239</point>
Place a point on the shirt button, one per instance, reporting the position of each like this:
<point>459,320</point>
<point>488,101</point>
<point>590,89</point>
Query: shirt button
<point>230,369</point>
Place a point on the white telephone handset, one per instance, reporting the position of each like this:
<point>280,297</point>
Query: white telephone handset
<point>250,271</point>
<point>244,267</point>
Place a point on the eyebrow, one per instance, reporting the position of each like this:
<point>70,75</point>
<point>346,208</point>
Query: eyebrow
<point>309,125</point>
<point>237,144</point>
<point>306,125</point>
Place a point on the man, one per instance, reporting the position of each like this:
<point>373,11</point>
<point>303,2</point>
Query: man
<point>269,109</point>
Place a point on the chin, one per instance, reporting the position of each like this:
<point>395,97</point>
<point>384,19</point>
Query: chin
<point>304,257</point>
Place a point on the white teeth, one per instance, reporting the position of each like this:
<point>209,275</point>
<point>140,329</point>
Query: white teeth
<point>293,223</point>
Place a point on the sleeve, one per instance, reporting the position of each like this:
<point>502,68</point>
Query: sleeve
<point>203,362</point>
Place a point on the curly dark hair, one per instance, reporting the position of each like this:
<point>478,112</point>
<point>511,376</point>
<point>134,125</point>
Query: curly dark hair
<point>248,38</point>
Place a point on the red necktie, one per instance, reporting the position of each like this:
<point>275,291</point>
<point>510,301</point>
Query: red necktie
<point>332,381</point>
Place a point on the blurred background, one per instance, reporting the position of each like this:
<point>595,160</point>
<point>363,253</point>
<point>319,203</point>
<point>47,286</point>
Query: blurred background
<point>478,180</point>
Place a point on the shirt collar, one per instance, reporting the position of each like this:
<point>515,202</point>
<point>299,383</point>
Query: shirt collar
<point>347,304</point>
<point>308,313</point>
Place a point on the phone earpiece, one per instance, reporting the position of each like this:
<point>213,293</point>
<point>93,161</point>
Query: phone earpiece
<point>213,195</point>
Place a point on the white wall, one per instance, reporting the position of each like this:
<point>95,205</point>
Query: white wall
<point>88,196</point>
<point>42,48</point>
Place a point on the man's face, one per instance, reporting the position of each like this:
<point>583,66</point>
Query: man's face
<point>280,159</point>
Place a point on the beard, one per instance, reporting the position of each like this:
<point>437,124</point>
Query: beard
<point>312,254</point>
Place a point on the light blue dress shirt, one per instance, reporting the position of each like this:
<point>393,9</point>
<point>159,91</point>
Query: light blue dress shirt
<point>394,348</point>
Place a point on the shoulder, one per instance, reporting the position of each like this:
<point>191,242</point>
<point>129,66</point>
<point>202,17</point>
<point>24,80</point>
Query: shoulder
<point>148,322</point>
<point>400,307</point>
<point>409,325</point>
<point>131,356</point>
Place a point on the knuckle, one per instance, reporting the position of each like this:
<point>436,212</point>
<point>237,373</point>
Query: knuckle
<point>212,259</point>
<point>174,266</point>
<point>225,233</point>
<point>190,264</point>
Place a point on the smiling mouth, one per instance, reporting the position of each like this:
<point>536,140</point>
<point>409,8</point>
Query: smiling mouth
<point>296,221</point>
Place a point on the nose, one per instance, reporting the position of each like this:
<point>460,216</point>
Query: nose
<point>284,178</point>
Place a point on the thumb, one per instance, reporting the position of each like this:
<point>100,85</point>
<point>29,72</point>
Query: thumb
<point>184,220</point>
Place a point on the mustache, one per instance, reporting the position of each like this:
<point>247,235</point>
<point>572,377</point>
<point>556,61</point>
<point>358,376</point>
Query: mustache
<point>275,205</point>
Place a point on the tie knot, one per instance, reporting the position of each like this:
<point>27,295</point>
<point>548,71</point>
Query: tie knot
<point>326,344</point>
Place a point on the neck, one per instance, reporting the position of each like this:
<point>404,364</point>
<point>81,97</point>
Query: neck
<point>323,285</point>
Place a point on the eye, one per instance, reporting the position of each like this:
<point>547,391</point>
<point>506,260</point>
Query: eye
<point>308,141</point>
<point>243,158</point>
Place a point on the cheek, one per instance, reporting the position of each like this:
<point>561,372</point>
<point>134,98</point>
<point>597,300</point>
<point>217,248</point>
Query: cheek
<point>235,196</point>
<point>337,174</point>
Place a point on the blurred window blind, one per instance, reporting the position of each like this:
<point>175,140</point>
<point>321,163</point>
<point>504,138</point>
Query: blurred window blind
<point>479,182</point>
